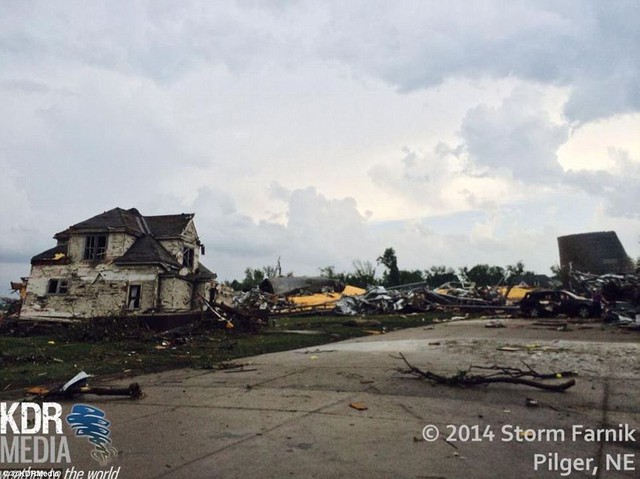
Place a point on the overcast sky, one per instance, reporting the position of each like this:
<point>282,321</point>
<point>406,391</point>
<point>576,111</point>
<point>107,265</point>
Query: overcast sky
<point>323,132</point>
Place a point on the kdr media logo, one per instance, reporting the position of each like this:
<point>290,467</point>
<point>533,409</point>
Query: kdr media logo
<point>36,437</point>
<point>32,433</point>
<point>90,422</point>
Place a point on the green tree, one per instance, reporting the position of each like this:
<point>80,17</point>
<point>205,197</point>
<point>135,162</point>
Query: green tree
<point>252,278</point>
<point>515,270</point>
<point>560,274</point>
<point>270,272</point>
<point>408,277</point>
<point>391,277</point>
<point>363,274</point>
<point>484,275</point>
<point>516,273</point>
<point>328,272</point>
<point>437,275</point>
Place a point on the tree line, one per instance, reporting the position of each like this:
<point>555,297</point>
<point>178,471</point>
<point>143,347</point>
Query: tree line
<point>364,275</point>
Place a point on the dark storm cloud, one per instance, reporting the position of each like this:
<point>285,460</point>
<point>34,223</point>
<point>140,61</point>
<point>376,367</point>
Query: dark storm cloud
<point>587,46</point>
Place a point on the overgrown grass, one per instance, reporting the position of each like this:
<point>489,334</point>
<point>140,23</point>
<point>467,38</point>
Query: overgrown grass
<point>52,355</point>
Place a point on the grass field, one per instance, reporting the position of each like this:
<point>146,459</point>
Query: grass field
<point>53,354</point>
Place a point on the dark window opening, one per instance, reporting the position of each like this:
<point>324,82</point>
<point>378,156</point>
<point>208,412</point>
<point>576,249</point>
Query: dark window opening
<point>188,257</point>
<point>133,300</point>
<point>58,286</point>
<point>95,247</point>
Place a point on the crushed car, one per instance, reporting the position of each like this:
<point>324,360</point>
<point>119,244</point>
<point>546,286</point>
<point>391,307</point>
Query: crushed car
<point>549,302</point>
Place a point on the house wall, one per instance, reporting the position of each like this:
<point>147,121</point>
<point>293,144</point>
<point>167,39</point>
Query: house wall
<point>175,246</point>
<point>93,290</point>
<point>202,288</point>
<point>175,294</point>
<point>117,245</point>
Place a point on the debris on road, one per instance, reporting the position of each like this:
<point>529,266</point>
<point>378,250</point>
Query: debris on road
<point>495,324</point>
<point>358,406</point>
<point>531,402</point>
<point>77,386</point>
<point>495,374</point>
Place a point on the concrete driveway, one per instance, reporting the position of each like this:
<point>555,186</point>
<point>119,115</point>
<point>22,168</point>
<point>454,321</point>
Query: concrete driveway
<point>290,414</point>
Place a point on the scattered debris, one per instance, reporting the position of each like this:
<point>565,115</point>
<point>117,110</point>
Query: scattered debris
<point>303,332</point>
<point>316,351</point>
<point>77,386</point>
<point>251,318</point>
<point>241,370</point>
<point>612,287</point>
<point>619,295</point>
<point>495,324</point>
<point>497,374</point>
<point>303,295</point>
<point>358,406</point>
<point>417,298</point>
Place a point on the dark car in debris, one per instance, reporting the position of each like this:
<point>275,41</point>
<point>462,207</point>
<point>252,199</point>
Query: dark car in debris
<point>549,302</point>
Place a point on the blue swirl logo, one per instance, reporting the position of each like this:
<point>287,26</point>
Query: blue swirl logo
<point>90,422</point>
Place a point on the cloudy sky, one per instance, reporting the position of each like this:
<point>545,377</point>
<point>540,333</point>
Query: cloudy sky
<point>323,132</point>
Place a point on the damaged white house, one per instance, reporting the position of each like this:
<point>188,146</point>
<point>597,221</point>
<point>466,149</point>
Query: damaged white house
<point>119,262</point>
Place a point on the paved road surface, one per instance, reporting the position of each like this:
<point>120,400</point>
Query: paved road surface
<point>289,415</point>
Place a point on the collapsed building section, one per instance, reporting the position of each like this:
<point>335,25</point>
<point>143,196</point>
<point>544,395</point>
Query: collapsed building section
<point>598,253</point>
<point>296,295</point>
<point>119,262</point>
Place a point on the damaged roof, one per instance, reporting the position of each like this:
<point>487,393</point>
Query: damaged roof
<point>56,253</point>
<point>147,250</point>
<point>285,285</point>
<point>163,226</point>
<point>203,273</point>
<point>132,222</point>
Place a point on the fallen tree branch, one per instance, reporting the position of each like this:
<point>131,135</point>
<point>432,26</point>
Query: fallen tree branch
<point>501,375</point>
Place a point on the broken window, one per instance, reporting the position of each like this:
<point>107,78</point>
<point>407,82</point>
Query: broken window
<point>95,247</point>
<point>188,255</point>
<point>57,286</point>
<point>133,299</point>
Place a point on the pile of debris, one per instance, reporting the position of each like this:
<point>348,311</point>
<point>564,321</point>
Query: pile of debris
<point>255,299</point>
<point>297,295</point>
<point>379,300</point>
<point>294,295</point>
<point>612,287</point>
<point>619,293</point>
<point>418,298</point>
